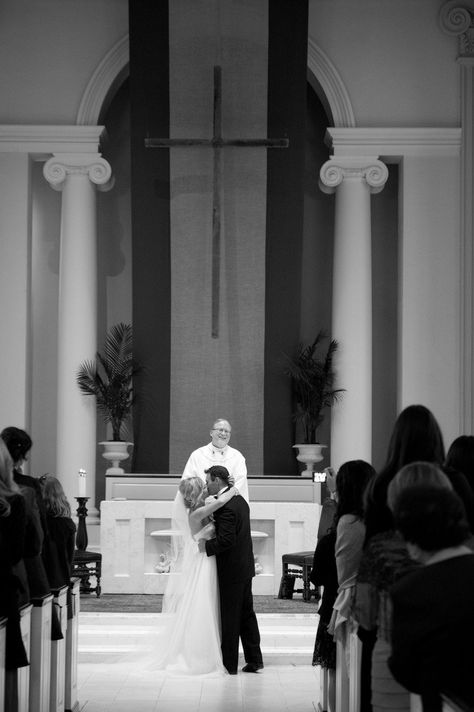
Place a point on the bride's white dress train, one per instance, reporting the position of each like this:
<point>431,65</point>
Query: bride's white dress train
<point>192,642</point>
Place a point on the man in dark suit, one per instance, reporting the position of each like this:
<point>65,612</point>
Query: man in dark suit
<point>232,548</point>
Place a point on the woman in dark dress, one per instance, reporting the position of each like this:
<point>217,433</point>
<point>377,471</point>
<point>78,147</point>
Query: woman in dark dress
<point>324,573</point>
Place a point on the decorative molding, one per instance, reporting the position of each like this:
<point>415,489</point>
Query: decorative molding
<point>332,85</point>
<point>334,171</point>
<point>50,139</point>
<point>394,142</point>
<point>109,74</point>
<point>58,168</point>
<point>458,20</point>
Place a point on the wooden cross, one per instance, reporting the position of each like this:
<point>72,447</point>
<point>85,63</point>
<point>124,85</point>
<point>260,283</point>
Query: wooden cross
<point>216,143</point>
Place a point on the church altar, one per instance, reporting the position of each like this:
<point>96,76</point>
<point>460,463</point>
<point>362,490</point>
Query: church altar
<point>135,530</point>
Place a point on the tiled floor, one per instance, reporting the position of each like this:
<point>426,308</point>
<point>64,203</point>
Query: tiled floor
<point>110,681</point>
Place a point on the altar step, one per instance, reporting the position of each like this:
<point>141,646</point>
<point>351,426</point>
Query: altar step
<point>286,639</point>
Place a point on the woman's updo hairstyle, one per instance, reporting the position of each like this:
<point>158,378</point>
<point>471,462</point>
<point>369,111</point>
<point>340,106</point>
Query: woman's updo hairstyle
<point>18,442</point>
<point>191,489</point>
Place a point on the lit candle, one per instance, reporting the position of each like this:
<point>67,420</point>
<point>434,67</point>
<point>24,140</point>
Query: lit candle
<point>82,483</point>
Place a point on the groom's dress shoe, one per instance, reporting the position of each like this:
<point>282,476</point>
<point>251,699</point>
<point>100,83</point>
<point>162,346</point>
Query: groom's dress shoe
<point>252,667</point>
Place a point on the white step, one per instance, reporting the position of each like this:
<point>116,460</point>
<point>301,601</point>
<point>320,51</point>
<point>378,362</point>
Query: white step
<point>285,639</point>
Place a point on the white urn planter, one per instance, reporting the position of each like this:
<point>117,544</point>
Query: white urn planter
<point>309,454</point>
<point>115,451</point>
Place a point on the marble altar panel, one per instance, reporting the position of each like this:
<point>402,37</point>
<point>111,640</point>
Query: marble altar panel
<point>130,553</point>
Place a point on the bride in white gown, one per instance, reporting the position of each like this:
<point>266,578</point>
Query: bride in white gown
<point>191,644</point>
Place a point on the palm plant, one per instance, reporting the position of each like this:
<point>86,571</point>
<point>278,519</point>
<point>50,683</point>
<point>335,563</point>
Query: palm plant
<point>313,384</point>
<point>110,378</point>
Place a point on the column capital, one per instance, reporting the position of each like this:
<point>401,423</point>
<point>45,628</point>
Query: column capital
<point>336,170</point>
<point>456,18</point>
<point>57,169</point>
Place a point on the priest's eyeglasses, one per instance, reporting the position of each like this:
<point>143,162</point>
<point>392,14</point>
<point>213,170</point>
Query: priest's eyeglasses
<point>221,430</point>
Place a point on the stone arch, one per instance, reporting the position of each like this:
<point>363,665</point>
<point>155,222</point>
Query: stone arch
<point>106,79</point>
<point>328,85</point>
<point>114,68</point>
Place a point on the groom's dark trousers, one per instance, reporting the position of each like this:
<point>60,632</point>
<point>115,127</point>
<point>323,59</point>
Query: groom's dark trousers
<point>235,570</point>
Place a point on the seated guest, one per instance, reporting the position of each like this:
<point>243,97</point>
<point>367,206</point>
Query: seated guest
<point>59,552</point>
<point>13,588</point>
<point>433,622</point>
<point>19,445</point>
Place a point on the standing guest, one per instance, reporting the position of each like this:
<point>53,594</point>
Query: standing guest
<point>324,573</point>
<point>219,452</point>
<point>13,588</point>
<point>433,622</point>
<point>351,482</point>
<point>416,436</point>
<point>460,457</point>
<point>459,467</point>
<point>385,561</point>
<point>58,554</point>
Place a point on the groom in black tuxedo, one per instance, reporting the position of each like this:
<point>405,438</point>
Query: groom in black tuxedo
<point>232,548</point>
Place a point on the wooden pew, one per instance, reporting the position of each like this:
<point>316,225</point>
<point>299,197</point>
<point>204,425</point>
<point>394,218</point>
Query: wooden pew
<point>17,682</point>
<point>348,675</point>
<point>3,637</point>
<point>72,639</point>
<point>58,653</point>
<point>40,657</point>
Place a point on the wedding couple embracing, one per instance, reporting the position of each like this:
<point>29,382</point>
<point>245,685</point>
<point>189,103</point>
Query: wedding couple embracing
<point>209,594</point>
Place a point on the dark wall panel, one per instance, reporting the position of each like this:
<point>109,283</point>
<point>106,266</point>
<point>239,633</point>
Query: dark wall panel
<point>149,94</point>
<point>288,26</point>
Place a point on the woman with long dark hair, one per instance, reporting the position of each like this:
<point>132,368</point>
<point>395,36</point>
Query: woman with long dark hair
<point>416,436</point>
<point>352,479</point>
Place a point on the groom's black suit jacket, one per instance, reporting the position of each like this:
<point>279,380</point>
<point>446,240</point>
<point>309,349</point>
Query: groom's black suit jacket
<point>233,543</point>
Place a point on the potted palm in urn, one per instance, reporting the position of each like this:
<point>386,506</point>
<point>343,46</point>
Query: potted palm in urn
<point>110,379</point>
<point>312,377</point>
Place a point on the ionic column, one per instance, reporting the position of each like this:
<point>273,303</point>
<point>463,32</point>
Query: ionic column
<point>77,176</point>
<point>353,180</point>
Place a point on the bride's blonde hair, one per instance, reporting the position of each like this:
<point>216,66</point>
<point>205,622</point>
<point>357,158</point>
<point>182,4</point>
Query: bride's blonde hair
<point>192,489</point>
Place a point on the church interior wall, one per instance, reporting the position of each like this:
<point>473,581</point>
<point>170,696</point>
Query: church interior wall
<point>15,288</point>
<point>430,289</point>
<point>393,78</point>
<point>49,50</point>
<point>45,240</point>
<point>394,59</point>
<point>385,229</point>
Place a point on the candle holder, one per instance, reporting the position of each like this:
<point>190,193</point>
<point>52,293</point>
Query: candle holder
<point>81,537</point>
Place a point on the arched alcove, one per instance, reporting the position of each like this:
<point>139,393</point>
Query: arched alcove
<point>114,68</point>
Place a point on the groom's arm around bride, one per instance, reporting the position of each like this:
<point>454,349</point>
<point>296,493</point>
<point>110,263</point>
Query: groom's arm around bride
<point>232,547</point>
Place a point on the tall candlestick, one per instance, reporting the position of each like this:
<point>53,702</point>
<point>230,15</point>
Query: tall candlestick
<point>82,483</point>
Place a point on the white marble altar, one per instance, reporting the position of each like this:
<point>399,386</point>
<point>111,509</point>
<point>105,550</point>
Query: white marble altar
<point>284,518</point>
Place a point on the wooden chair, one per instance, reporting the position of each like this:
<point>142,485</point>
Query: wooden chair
<point>84,565</point>
<point>303,560</point>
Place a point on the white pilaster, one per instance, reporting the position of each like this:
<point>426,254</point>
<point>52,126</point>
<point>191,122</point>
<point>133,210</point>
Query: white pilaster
<point>457,19</point>
<point>77,176</point>
<point>353,179</point>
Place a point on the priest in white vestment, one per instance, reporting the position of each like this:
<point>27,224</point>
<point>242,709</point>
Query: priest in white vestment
<point>219,452</point>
